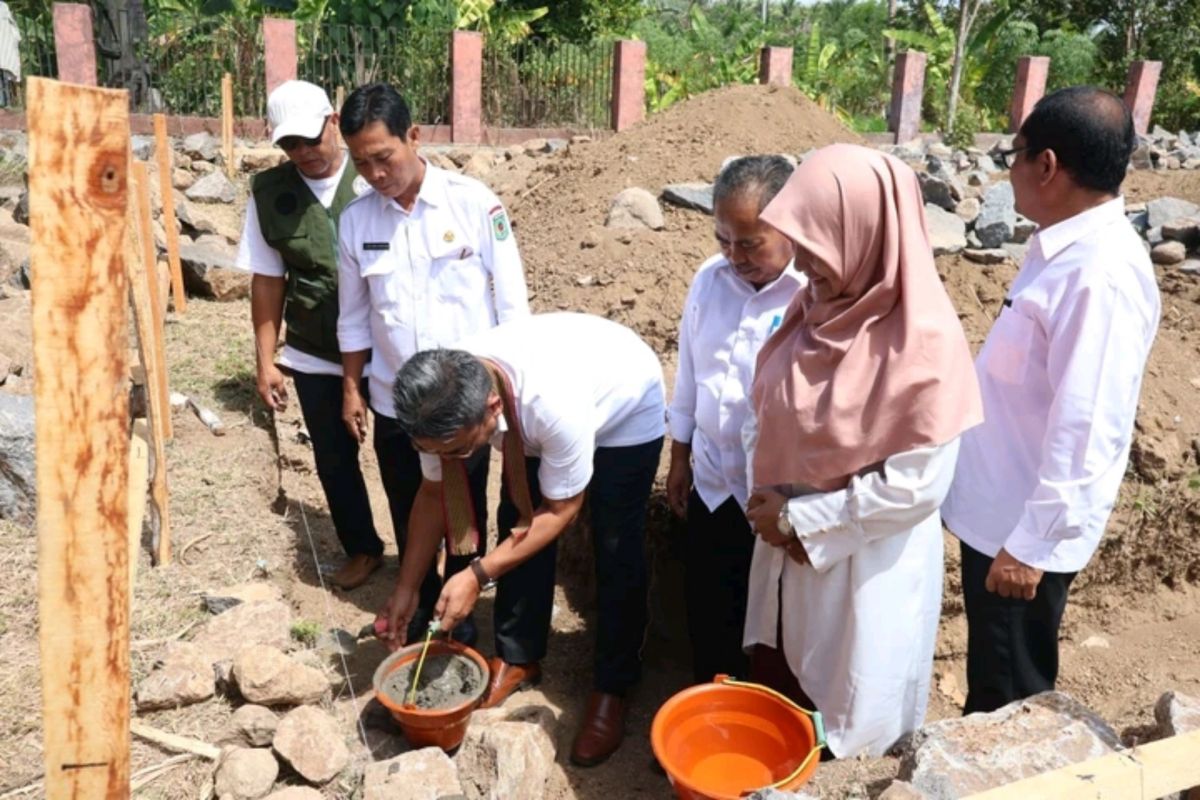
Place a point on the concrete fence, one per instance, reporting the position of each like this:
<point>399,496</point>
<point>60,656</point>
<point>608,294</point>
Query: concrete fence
<point>76,57</point>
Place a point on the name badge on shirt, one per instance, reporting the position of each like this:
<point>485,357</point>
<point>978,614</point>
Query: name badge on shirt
<point>377,245</point>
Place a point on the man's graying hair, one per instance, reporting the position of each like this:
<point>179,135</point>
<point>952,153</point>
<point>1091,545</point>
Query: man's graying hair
<point>440,392</point>
<point>757,177</point>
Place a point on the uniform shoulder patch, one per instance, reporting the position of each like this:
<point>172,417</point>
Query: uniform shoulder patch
<point>499,220</point>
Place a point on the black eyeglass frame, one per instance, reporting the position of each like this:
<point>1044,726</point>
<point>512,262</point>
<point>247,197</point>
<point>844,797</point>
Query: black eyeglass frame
<point>1005,156</point>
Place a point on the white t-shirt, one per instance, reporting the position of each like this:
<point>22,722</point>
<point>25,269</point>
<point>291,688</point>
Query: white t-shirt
<point>255,255</point>
<point>579,382</point>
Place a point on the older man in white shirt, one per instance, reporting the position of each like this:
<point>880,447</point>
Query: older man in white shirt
<point>426,258</point>
<point>1060,373</point>
<point>736,301</point>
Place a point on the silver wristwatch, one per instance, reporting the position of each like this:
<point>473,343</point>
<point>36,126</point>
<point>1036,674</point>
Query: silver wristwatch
<point>784,523</point>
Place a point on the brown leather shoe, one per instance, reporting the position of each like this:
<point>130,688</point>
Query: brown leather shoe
<point>508,678</point>
<point>602,730</point>
<point>355,571</point>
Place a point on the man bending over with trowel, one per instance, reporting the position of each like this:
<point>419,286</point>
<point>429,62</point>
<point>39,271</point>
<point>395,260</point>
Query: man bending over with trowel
<point>575,404</point>
<point>289,242</point>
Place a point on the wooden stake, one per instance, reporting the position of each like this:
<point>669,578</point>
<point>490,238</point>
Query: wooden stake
<point>162,150</point>
<point>158,410</point>
<point>176,743</point>
<point>158,382</point>
<point>1148,771</point>
<point>341,100</point>
<point>227,122</point>
<point>78,195</point>
<point>139,477</point>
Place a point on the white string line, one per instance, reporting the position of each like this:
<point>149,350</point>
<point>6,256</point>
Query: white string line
<point>362,730</point>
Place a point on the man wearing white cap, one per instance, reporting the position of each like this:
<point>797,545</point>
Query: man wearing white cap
<point>289,242</point>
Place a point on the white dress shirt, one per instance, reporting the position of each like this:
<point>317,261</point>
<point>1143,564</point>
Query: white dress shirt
<point>413,280</point>
<point>1060,374</point>
<point>255,255</point>
<point>859,622</point>
<point>579,382</point>
<point>725,322</point>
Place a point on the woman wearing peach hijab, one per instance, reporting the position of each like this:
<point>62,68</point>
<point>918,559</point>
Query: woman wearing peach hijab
<point>859,399</point>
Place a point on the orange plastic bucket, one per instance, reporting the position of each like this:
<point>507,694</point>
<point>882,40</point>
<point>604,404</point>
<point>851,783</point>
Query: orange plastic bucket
<point>442,727</point>
<point>726,739</point>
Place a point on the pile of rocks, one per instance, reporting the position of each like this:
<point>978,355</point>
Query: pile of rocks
<point>956,758</point>
<point>1162,149</point>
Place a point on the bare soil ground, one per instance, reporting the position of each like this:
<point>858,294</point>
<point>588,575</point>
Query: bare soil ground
<point>248,504</point>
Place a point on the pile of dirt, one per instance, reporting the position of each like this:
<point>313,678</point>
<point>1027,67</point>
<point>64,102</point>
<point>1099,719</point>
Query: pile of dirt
<point>640,278</point>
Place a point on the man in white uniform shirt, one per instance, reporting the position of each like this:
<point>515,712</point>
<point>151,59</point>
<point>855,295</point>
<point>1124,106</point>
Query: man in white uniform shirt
<point>575,403</point>
<point>1060,373</point>
<point>736,301</point>
<point>289,242</point>
<point>427,257</point>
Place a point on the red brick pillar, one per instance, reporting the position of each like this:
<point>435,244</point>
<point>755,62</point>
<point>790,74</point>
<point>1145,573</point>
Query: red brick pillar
<point>466,87</point>
<point>279,51</point>
<point>74,43</point>
<point>629,84</point>
<point>775,66</point>
<point>1140,87</point>
<point>1030,86</point>
<point>908,85</point>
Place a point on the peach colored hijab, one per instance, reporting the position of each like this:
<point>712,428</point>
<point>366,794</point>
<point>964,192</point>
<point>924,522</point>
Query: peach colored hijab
<point>870,360</point>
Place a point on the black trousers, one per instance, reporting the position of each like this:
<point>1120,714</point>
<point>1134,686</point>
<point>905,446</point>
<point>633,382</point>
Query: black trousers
<point>336,454</point>
<point>400,472</point>
<point>717,574</point>
<point>1012,644</point>
<point>618,494</point>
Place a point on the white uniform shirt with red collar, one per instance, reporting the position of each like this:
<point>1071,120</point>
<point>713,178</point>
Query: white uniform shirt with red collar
<point>1060,374</point>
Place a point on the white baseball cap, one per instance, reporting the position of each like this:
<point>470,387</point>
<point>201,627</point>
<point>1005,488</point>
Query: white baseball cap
<point>297,108</point>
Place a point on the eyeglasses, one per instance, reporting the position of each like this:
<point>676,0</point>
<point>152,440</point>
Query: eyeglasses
<point>289,143</point>
<point>1006,156</point>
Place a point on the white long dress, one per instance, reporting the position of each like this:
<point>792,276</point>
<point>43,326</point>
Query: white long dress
<point>860,622</point>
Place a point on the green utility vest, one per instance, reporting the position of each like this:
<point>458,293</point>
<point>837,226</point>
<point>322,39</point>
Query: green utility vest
<point>305,233</point>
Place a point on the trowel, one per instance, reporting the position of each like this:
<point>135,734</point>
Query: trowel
<point>339,641</point>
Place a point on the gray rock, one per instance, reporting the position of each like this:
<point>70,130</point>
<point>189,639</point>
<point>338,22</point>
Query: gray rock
<point>778,794</point>
<point>1024,229</point>
<point>479,165</point>
<point>998,216</point>
<point>252,726</point>
<point>425,774</point>
<point>947,232</point>
<point>977,178</point>
<point>212,188</point>
<point>245,625</point>
<point>219,601</point>
<point>18,486</point>
<point>266,676</point>
<point>209,271</point>
<point>1177,713</point>
<point>203,167</point>
<point>202,146</point>
<point>939,150</point>
<point>1016,252</point>
<point>1190,267</point>
<point>309,740</point>
<point>535,147</point>
<point>182,179</point>
<point>1140,220</point>
<point>256,159</point>
<point>968,209</point>
<point>1140,159</point>
<point>21,277</point>
<point>899,790</point>
<point>1184,229</point>
<point>1168,253</point>
<point>1154,236</point>
<point>985,164</point>
<point>940,189</point>
<point>1169,209</point>
<point>510,753</point>
<point>143,147</point>
<point>1192,163</point>
<point>555,145</point>
<point>246,773</point>
<point>336,642</point>
<point>635,208</point>
<point>1173,163</point>
<point>990,255</point>
<point>21,211</point>
<point>185,677</point>
<point>698,196</point>
<point>958,757</point>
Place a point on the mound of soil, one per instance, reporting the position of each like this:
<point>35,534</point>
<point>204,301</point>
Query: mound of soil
<point>573,262</point>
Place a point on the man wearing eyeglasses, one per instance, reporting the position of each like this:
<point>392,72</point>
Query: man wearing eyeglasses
<point>289,242</point>
<point>1060,374</point>
<point>427,257</point>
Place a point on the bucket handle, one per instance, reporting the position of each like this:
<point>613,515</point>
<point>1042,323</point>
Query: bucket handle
<point>817,721</point>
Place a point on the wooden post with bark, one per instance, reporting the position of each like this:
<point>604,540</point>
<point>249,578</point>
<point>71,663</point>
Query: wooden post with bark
<point>144,288</point>
<point>162,152</point>
<point>78,199</point>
